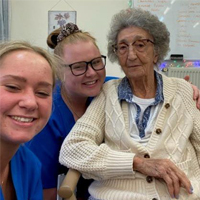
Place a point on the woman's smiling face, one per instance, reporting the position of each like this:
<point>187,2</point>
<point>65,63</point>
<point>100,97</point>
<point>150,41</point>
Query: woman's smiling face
<point>88,84</point>
<point>26,84</point>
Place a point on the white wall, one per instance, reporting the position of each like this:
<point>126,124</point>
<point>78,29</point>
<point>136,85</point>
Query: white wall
<point>29,20</point>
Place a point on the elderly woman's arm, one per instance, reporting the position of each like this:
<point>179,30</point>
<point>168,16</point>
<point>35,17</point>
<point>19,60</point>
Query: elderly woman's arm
<point>166,170</point>
<point>84,148</point>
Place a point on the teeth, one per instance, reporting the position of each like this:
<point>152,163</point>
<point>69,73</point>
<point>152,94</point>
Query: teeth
<point>90,83</point>
<point>22,119</point>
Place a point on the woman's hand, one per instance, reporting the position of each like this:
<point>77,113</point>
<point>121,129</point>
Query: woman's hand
<point>166,170</point>
<point>196,95</point>
<point>196,92</point>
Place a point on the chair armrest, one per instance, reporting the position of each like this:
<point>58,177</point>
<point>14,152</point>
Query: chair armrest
<point>68,185</point>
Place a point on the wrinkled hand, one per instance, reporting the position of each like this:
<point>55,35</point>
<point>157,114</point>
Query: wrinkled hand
<point>196,92</point>
<point>166,170</point>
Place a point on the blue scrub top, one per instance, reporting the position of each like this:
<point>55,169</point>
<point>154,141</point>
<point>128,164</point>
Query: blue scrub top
<point>26,175</point>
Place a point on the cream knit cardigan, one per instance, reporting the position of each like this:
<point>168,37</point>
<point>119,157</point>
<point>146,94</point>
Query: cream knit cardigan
<point>100,146</point>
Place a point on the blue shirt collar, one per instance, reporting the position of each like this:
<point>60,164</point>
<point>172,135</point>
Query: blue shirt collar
<point>125,92</point>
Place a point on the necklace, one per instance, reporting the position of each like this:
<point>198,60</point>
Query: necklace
<point>69,103</point>
<point>4,175</point>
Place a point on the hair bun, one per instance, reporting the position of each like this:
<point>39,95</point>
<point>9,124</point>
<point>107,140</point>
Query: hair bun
<point>61,33</point>
<point>67,30</point>
<point>52,38</point>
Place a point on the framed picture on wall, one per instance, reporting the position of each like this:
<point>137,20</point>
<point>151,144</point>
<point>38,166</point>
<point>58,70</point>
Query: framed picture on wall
<point>56,19</point>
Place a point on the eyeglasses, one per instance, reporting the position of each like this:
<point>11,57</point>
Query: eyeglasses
<point>138,45</point>
<point>80,68</point>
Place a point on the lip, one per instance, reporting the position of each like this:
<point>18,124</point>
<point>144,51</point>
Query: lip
<point>133,65</point>
<point>22,119</point>
<point>90,83</point>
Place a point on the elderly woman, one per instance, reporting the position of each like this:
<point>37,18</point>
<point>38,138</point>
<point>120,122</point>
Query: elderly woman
<point>139,139</point>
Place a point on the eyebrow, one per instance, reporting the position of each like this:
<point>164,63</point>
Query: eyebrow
<point>15,77</point>
<point>135,38</point>
<point>83,61</point>
<point>22,79</point>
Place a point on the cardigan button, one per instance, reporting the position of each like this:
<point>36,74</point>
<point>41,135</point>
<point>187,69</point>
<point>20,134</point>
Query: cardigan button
<point>146,155</point>
<point>158,131</point>
<point>167,105</point>
<point>149,179</point>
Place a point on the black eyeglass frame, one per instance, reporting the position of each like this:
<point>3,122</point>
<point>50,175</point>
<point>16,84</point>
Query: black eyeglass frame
<point>115,48</point>
<point>87,65</point>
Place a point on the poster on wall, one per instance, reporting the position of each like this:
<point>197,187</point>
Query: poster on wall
<point>56,19</point>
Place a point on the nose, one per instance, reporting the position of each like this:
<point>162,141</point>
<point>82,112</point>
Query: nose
<point>90,71</point>
<point>28,101</point>
<point>132,53</point>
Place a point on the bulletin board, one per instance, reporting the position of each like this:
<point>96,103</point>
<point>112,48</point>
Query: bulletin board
<point>182,18</point>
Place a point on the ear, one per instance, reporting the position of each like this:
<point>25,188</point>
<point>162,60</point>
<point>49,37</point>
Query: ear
<point>155,60</point>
